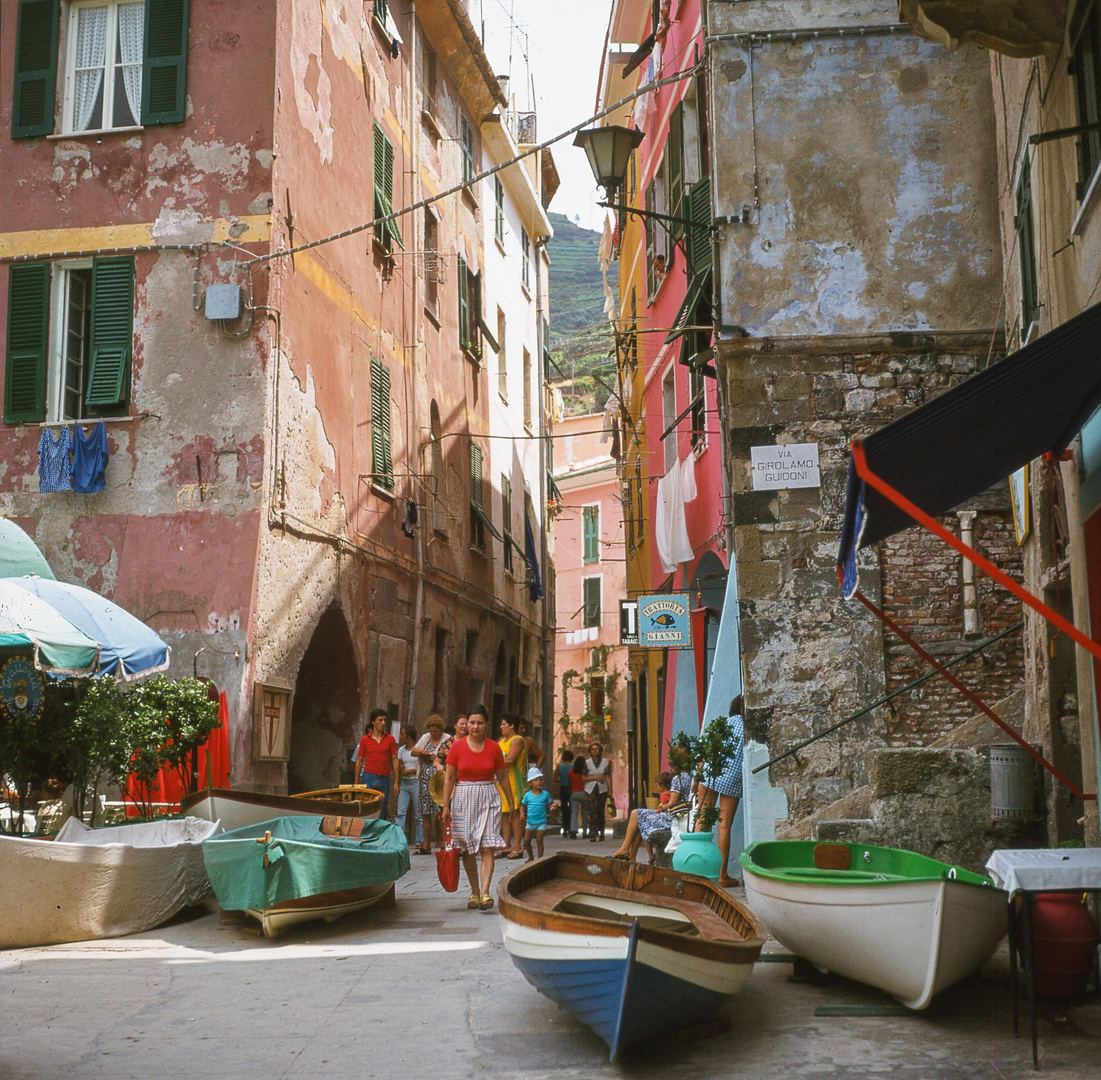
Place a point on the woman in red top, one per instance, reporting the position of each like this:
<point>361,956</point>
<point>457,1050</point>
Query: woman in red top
<point>472,804</point>
<point>377,759</point>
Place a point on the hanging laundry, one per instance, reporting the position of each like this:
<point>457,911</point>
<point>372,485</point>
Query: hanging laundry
<point>55,469</point>
<point>675,488</point>
<point>90,459</point>
<point>535,579</point>
<point>409,518</point>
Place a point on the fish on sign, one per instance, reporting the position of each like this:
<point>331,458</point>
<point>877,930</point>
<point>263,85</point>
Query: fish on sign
<point>776,468</point>
<point>663,621</point>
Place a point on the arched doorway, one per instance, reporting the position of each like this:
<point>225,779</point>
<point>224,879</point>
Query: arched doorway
<point>325,720</point>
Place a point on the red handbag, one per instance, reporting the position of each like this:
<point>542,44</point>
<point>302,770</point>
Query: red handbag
<point>447,863</point>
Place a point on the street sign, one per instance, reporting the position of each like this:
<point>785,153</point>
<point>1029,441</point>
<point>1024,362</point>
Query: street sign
<point>777,468</point>
<point>628,622</point>
<point>663,621</point>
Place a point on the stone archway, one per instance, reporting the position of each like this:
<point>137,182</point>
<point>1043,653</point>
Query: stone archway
<point>325,720</point>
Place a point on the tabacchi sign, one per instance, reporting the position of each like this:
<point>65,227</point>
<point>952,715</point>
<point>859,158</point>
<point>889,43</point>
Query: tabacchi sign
<point>663,621</point>
<point>778,467</point>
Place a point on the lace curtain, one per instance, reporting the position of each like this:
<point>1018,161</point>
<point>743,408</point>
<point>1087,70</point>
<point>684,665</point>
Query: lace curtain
<point>91,49</point>
<point>131,32</point>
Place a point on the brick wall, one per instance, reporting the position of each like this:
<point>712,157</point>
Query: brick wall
<point>922,592</point>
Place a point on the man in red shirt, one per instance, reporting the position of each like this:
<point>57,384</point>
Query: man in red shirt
<point>377,759</point>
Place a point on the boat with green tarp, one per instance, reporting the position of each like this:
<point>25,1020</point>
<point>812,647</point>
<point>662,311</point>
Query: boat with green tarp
<point>891,918</point>
<point>293,869</point>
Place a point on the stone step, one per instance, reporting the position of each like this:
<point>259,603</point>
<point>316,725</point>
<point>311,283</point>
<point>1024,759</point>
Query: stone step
<point>846,830</point>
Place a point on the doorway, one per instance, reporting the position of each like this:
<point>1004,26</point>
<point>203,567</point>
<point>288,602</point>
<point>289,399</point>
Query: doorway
<point>325,719</point>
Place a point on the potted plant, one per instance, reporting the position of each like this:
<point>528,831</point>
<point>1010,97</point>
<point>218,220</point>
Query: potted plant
<point>704,755</point>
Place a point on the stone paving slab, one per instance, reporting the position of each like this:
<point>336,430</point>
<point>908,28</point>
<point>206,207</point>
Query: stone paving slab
<point>426,990</point>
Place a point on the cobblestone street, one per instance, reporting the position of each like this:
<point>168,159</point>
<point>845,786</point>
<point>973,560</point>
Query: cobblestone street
<point>425,989</point>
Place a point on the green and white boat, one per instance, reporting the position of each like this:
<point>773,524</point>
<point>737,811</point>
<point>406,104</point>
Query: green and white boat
<point>294,869</point>
<point>890,918</point>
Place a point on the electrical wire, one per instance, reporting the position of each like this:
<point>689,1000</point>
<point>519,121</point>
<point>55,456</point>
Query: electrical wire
<point>470,184</point>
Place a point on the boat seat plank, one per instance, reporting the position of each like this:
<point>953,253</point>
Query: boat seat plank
<point>549,894</point>
<point>833,856</point>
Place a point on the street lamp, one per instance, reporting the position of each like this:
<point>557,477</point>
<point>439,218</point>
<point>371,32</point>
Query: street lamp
<point>609,151</point>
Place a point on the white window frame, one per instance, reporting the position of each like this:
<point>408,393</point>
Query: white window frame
<point>59,340</point>
<point>668,415</point>
<point>109,64</point>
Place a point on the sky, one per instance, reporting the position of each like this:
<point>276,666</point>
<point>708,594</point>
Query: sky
<point>554,45</point>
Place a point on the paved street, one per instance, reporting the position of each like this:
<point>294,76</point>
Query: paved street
<point>425,989</point>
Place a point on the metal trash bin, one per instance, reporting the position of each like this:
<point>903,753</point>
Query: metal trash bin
<point>1012,783</point>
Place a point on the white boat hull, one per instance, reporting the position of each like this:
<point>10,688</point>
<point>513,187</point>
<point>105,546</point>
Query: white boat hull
<point>275,920</point>
<point>236,814</point>
<point>911,939</point>
<point>99,883</point>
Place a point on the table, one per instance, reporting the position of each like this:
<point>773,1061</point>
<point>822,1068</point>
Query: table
<point>1029,871</point>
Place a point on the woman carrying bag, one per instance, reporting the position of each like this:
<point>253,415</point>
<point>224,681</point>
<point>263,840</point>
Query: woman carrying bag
<point>472,804</point>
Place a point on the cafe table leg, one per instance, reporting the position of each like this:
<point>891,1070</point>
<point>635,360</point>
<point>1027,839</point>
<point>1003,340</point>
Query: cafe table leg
<point>1030,974</point>
<point>1012,919</point>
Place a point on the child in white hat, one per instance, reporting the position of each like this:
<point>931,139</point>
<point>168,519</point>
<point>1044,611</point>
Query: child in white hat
<point>535,804</point>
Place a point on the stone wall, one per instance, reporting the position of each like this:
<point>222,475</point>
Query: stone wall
<point>811,659</point>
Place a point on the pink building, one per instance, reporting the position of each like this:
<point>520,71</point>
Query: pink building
<point>591,576</point>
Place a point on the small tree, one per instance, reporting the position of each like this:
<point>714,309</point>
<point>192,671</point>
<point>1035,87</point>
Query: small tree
<point>167,721</point>
<point>704,755</point>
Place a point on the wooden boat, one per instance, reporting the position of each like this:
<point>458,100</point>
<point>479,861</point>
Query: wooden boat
<point>890,918</point>
<point>295,869</point>
<point>98,883</point>
<point>238,809</point>
<point>630,950</point>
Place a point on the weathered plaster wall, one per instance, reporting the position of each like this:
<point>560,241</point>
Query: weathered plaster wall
<point>175,547</point>
<point>1033,96</point>
<point>852,205</point>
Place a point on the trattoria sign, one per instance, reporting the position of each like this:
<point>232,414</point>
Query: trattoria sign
<point>794,465</point>
<point>663,621</point>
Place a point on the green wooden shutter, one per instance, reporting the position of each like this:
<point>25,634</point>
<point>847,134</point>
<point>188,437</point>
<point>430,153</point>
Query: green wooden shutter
<point>476,317</point>
<point>650,227</point>
<point>112,332</point>
<point>164,72</point>
<point>674,169</point>
<point>464,304</point>
<point>1026,248</point>
<point>382,467</point>
<point>28,343</point>
<point>475,474</point>
<point>697,242</point>
<point>590,517</point>
<point>36,46</point>
<point>591,601</point>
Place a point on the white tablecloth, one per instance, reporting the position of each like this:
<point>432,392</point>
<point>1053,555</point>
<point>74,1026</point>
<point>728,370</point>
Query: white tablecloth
<point>1037,869</point>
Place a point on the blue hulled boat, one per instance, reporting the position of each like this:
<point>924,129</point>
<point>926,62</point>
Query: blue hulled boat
<point>630,950</point>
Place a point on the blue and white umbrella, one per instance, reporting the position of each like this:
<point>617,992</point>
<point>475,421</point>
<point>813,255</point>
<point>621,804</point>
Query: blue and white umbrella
<point>127,647</point>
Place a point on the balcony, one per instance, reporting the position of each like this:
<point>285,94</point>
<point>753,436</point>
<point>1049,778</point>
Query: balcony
<point>1018,28</point>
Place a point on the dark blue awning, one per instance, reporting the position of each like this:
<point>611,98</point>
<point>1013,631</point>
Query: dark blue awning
<point>959,444</point>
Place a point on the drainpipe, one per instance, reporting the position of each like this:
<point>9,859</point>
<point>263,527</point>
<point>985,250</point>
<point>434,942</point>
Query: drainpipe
<point>418,604</point>
<point>544,465</point>
<point>970,599</point>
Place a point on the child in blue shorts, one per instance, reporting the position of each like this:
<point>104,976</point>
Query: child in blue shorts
<point>535,805</point>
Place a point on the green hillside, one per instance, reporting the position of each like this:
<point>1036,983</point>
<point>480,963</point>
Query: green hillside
<point>581,337</point>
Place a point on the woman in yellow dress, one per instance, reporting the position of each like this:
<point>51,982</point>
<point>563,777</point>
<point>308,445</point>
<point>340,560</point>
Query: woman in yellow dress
<point>515,749</point>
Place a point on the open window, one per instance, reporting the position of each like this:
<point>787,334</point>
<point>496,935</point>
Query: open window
<point>69,340</point>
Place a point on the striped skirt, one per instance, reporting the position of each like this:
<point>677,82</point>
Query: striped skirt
<point>476,816</point>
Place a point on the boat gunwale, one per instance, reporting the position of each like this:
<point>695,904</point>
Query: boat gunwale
<point>513,909</point>
<point>832,878</point>
<point>299,805</point>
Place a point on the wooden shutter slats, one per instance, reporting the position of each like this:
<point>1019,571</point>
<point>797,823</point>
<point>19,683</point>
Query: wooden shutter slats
<point>112,335</point>
<point>28,343</point>
<point>164,68</point>
<point>35,86</point>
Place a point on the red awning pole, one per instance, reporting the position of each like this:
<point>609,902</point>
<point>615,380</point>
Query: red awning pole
<point>985,565</point>
<point>982,706</point>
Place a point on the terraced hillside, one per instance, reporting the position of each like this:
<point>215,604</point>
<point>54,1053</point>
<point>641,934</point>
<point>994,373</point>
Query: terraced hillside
<point>581,338</point>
